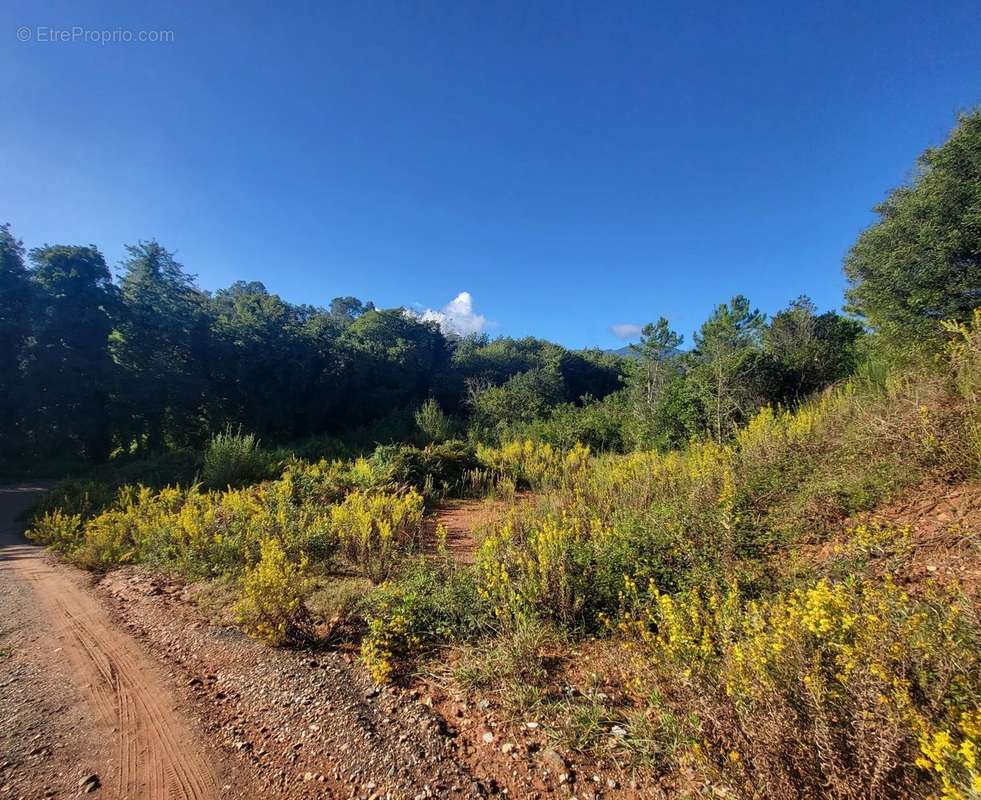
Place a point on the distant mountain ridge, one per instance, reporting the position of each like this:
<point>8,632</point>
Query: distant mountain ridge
<point>626,352</point>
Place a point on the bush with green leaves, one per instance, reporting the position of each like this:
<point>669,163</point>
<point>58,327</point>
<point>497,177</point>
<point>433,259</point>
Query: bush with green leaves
<point>194,533</point>
<point>426,605</point>
<point>233,458</point>
<point>436,471</point>
<point>825,690</point>
<point>434,425</point>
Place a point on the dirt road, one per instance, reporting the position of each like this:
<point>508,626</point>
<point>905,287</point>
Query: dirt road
<point>93,701</point>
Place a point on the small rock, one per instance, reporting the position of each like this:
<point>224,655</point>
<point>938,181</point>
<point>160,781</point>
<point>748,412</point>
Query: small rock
<point>507,747</point>
<point>89,783</point>
<point>553,760</point>
<point>487,738</point>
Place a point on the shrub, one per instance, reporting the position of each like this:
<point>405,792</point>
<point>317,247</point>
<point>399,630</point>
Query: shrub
<point>424,606</point>
<point>432,422</point>
<point>59,530</point>
<point>826,690</point>
<point>545,570</point>
<point>233,458</point>
<point>272,607</point>
<point>318,483</point>
<point>436,471</point>
<point>675,517</point>
<point>964,353</point>
<point>375,530</point>
<point>108,541</point>
<point>952,757</point>
<point>196,534</point>
<point>535,465</point>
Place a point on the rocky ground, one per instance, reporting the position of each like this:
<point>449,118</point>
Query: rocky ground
<point>310,724</point>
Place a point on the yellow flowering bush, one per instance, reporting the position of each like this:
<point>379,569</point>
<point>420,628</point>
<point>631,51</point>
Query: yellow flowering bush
<point>195,533</point>
<point>374,530</point>
<point>58,529</point>
<point>952,758</point>
<point>964,354</point>
<point>546,569</point>
<point>692,630</point>
<point>828,685</point>
<point>388,637</point>
<point>271,608</point>
<point>535,464</point>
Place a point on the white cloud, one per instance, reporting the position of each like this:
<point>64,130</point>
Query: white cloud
<point>626,330</point>
<point>457,316</point>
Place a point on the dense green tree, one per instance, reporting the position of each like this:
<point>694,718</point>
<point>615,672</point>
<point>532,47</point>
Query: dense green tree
<point>728,365</point>
<point>921,262</point>
<point>812,350</point>
<point>157,363</point>
<point>347,309</point>
<point>499,359</point>
<point>393,360</point>
<point>654,368</point>
<point>257,360</point>
<point>588,373</point>
<point>161,342</point>
<point>521,399</point>
<point>73,378</point>
<point>15,329</point>
<point>681,415</point>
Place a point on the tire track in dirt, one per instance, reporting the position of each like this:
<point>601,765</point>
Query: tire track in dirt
<point>158,756</point>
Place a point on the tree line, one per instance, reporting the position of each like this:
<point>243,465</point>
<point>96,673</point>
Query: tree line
<point>150,362</point>
<point>92,366</point>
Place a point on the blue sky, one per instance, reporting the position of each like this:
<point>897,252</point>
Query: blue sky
<point>572,166</point>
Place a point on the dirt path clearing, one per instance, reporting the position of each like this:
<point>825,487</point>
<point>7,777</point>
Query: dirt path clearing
<point>462,519</point>
<point>152,752</point>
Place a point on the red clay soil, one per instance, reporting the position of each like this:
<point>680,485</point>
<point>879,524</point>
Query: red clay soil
<point>303,724</point>
<point>944,524</point>
<point>463,519</point>
<point>945,533</point>
<point>309,724</point>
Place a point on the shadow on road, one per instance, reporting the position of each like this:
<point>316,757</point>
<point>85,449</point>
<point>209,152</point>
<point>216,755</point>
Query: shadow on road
<point>14,501</point>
